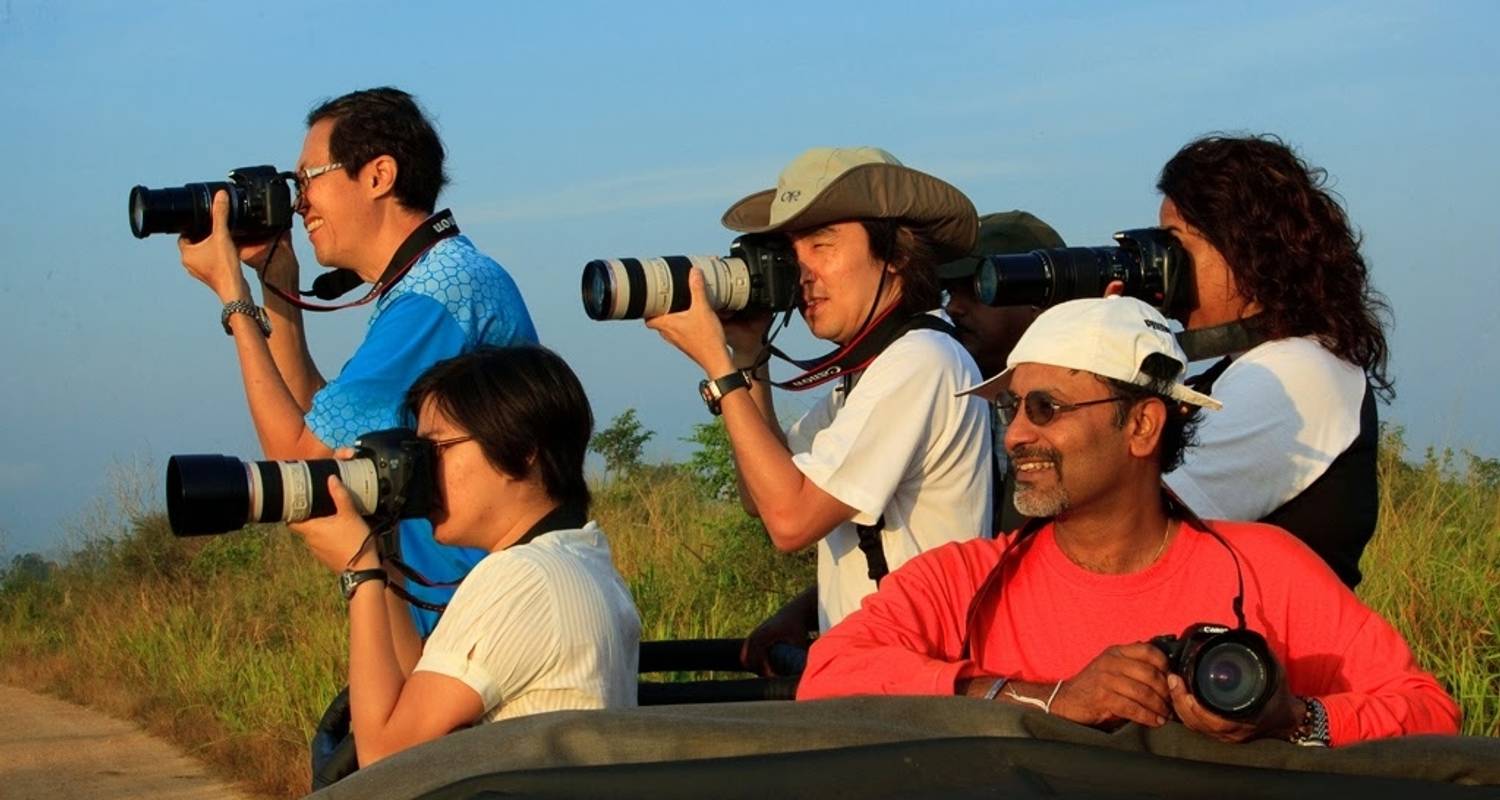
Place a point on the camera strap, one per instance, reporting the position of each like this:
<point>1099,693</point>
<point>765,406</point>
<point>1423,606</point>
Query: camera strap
<point>1222,340</point>
<point>852,358</point>
<point>563,517</point>
<point>336,283</point>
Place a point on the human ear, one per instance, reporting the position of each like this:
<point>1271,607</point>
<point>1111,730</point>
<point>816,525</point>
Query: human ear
<point>380,175</point>
<point>1144,426</point>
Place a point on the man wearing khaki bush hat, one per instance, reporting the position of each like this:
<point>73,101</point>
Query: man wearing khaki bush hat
<point>891,462</point>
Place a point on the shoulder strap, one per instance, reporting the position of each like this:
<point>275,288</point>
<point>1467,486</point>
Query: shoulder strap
<point>870,540</point>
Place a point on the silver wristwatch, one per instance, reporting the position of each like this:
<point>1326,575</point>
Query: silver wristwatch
<point>1313,732</point>
<point>250,310</point>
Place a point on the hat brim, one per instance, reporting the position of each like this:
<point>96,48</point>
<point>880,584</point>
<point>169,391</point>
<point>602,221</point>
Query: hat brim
<point>992,388</point>
<point>873,191</point>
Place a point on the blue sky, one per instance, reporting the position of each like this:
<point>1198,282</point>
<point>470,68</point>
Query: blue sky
<point>586,130</point>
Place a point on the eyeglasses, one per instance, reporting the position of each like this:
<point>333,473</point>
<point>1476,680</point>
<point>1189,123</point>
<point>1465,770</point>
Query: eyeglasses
<point>439,445</point>
<point>303,177</point>
<point>1041,408</point>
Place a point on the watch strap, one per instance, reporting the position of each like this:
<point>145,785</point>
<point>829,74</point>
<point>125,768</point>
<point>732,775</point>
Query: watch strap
<point>713,391</point>
<point>1313,731</point>
<point>350,579</point>
<point>250,310</point>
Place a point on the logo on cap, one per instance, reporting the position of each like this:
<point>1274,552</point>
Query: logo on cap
<point>1154,325</point>
<point>791,195</point>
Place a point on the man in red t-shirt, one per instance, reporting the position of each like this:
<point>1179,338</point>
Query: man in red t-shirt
<point>1057,615</point>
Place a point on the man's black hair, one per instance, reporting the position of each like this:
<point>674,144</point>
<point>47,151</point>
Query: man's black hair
<point>374,122</point>
<point>914,256</point>
<point>1180,430</point>
<point>525,408</point>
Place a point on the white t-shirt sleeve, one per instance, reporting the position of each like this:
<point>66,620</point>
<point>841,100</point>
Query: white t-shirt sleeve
<point>499,630</point>
<point>1290,408</point>
<point>862,454</point>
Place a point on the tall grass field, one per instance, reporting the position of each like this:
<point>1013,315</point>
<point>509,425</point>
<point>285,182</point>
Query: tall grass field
<point>231,646</point>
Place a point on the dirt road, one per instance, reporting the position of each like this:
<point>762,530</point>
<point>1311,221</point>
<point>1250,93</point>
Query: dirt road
<point>52,749</point>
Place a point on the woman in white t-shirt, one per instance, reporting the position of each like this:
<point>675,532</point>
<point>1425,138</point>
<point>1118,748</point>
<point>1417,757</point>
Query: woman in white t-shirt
<point>544,622</point>
<point>1277,265</point>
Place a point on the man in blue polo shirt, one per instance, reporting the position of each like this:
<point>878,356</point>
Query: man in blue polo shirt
<point>367,184</point>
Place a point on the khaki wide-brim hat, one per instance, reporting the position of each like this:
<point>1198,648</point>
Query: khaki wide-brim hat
<point>834,184</point>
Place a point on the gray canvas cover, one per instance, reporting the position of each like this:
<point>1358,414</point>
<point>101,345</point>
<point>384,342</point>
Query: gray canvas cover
<point>880,746</point>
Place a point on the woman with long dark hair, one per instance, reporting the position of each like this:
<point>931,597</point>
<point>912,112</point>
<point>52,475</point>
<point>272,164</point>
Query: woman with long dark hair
<point>1278,271</point>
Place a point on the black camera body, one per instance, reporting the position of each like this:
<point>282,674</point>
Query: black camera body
<point>392,476</point>
<point>260,206</point>
<point>759,274</point>
<point>1230,671</point>
<point>1150,262</point>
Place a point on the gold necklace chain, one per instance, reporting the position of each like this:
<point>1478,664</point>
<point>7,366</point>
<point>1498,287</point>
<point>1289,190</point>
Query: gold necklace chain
<point>1166,534</point>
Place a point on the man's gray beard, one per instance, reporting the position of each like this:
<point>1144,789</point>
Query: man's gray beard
<point>1041,502</point>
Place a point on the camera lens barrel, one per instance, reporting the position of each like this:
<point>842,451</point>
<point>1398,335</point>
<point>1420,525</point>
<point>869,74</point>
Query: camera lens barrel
<point>1044,278</point>
<point>638,288</point>
<point>1231,672</point>
<point>260,206</point>
<point>209,494</point>
<point>185,210</point>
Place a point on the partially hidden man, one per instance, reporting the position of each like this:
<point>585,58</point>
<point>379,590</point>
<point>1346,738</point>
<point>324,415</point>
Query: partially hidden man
<point>891,448</point>
<point>367,181</point>
<point>1060,615</point>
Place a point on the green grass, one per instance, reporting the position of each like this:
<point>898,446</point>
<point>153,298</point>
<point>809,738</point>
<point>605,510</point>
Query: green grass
<point>232,645</point>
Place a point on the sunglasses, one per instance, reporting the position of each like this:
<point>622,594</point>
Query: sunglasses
<point>1041,408</point>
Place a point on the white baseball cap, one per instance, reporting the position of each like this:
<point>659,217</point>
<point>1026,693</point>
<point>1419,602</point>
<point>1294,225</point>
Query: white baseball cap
<point>1108,336</point>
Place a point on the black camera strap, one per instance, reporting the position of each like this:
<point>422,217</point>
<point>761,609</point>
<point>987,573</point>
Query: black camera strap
<point>336,283</point>
<point>1222,340</point>
<point>563,517</point>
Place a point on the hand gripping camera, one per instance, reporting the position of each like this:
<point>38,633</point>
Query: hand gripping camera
<point>1229,670</point>
<point>260,206</point>
<point>760,272</point>
<point>391,477</point>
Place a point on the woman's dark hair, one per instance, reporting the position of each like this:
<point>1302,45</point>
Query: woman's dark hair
<point>1180,431</point>
<point>524,406</point>
<point>385,121</point>
<point>1287,241</point>
<point>914,257</point>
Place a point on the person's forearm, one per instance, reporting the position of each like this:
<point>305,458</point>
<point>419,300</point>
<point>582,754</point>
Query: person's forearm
<point>404,636</point>
<point>760,392</point>
<point>803,609</point>
<point>288,342</point>
<point>278,419</point>
<point>375,673</point>
<point>770,480</point>
<point>858,657</point>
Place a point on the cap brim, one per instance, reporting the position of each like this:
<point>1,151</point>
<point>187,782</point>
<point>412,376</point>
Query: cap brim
<point>961,268</point>
<point>992,388</point>
<point>1182,393</point>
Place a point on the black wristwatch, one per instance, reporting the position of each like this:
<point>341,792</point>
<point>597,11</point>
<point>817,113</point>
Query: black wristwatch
<point>350,579</point>
<point>713,391</point>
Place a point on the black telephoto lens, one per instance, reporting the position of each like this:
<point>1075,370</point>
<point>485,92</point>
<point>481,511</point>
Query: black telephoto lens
<point>186,210</point>
<point>207,494</point>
